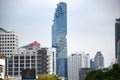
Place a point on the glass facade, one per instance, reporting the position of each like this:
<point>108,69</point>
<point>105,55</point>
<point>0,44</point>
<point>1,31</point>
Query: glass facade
<point>117,40</point>
<point>59,41</point>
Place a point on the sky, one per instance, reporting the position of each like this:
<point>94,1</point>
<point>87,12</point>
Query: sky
<point>90,23</point>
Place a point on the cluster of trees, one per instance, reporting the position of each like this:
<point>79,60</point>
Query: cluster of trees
<point>105,74</point>
<point>41,77</point>
<point>48,77</point>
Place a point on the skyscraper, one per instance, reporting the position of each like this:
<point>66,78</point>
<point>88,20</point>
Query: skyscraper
<point>99,60</point>
<point>117,40</point>
<point>8,42</point>
<point>75,63</point>
<point>59,41</point>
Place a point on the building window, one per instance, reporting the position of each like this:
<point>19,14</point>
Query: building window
<point>27,61</point>
<point>16,69</point>
<point>16,61</point>
<point>21,61</point>
<point>10,61</point>
<point>27,57</point>
<point>10,65</point>
<point>21,65</point>
<point>27,65</point>
<point>10,69</point>
<point>10,73</point>
<point>15,65</point>
<point>15,57</point>
<point>32,57</point>
<point>15,73</point>
<point>33,61</point>
<point>33,65</point>
<point>21,57</point>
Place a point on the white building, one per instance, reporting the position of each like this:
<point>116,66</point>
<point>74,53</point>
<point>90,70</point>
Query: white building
<point>41,59</point>
<point>8,42</point>
<point>2,66</point>
<point>75,62</point>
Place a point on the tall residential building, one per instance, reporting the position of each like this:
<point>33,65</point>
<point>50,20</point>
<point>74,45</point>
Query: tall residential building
<point>59,41</point>
<point>92,64</point>
<point>99,60</point>
<point>8,42</point>
<point>43,60</point>
<point>117,40</point>
<point>75,63</point>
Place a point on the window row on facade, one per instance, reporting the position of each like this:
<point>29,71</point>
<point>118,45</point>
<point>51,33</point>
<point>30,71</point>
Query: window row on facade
<point>5,48</point>
<point>10,41</point>
<point>7,35</point>
<point>8,45</point>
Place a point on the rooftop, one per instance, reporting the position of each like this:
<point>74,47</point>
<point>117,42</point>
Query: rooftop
<point>2,30</point>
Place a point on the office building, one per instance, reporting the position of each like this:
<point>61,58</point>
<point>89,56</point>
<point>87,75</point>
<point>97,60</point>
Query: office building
<point>41,59</point>
<point>8,42</point>
<point>117,40</point>
<point>99,60</point>
<point>75,63</point>
<point>59,41</point>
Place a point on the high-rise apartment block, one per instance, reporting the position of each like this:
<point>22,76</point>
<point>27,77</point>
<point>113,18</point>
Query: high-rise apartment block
<point>99,60</point>
<point>117,40</point>
<point>43,60</point>
<point>92,64</point>
<point>59,41</point>
<point>8,42</point>
<point>75,63</point>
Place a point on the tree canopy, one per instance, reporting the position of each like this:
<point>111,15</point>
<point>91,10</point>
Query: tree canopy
<point>47,77</point>
<point>1,79</point>
<point>110,74</point>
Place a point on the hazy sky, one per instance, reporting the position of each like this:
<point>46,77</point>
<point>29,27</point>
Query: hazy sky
<point>90,23</point>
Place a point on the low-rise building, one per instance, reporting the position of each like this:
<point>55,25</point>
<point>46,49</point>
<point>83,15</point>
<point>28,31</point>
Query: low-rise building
<point>41,59</point>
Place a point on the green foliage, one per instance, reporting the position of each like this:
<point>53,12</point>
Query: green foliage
<point>95,75</point>
<point>1,79</point>
<point>47,77</point>
<point>110,74</point>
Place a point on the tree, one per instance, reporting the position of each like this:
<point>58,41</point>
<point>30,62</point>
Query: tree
<point>47,77</point>
<point>110,74</point>
<point>94,75</point>
<point>1,79</point>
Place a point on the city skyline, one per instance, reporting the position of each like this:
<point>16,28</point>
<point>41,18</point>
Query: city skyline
<point>90,24</point>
